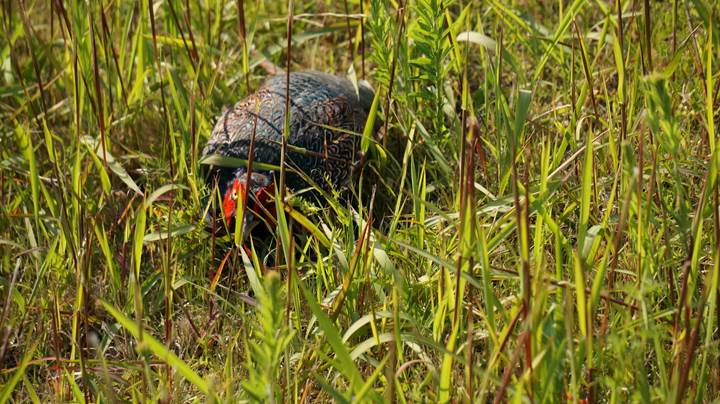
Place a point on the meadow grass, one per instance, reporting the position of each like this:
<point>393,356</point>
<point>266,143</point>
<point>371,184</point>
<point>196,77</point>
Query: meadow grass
<point>538,220</point>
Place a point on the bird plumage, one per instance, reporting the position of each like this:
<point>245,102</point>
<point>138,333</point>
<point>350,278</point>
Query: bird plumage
<point>326,116</point>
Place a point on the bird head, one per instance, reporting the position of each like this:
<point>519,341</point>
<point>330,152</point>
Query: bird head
<point>252,195</point>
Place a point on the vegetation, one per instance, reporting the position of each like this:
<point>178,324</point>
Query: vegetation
<point>538,220</point>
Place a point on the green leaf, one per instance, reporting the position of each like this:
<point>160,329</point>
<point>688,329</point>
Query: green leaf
<point>370,124</point>
<point>49,142</point>
<point>372,342</point>
<point>139,237</point>
<point>587,189</point>
<point>521,110</point>
<point>598,283</point>
<point>113,164</point>
<point>177,230</point>
<point>251,273</point>
<point>346,364</point>
<point>352,76</point>
<point>163,190</point>
<point>282,225</point>
<point>568,17</point>
<point>446,368</point>
<point>12,382</point>
<point>580,293</point>
<point>25,144</point>
<point>233,162</point>
<point>620,67</point>
<point>104,177</point>
<point>590,239</point>
<point>489,44</point>
<point>310,226</point>
<point>77,393</point>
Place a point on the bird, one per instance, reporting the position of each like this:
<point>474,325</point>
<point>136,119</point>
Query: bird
<point>327,117</point>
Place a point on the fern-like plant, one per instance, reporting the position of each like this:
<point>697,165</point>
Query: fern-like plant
<point>271,337</point>
<point>379,28</point>
<point>429,55</point>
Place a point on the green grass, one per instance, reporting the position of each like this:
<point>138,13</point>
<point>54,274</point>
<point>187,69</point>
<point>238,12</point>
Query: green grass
<point>539,219</point>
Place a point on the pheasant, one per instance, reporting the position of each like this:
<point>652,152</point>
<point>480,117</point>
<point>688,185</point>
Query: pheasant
<point>327,114</point>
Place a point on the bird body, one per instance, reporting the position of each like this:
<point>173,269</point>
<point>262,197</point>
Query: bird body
<point>327,114</point>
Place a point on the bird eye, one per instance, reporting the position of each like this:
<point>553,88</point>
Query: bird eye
<point>234,195</point>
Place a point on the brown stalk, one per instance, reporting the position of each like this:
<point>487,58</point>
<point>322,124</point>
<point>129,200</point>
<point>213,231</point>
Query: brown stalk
<point>498,53</point>
<point>716,219</point>
<point>168,298</point>
<point>623,109</point>
<point>519,209</point>
<point>362,38</point>
<point>86,265</point>
<point>469,346</point>
<point>586,69</point>
<point>282,191</point>
<point>591,90</point>
<point>390,375</point>
<point>5,329</point>
<point>565,285</point>
<point>361,246</point>
<point>400,19</point>
<point>674,27</point>
<point>109,44</point>
<point>193,131</point>
<point>162,84</point>
<point>469,140</point>
<point>696,48</point>
<point>465,162</point>
<point>528,276</point>
<point>65,218</point>
<point>251,157</point>
<point>191,55</point>
<point>573,88</point>
<point>364,286</point>
<point>193,327</point>
<point>168,325</point>
<point>56,344</point>
<point>507,373</point>
<point>189,26</point>
<point>243,36</point>
<point>691,341</point>
<point>31,33</point>
<point>648,34</point>
<point>618,239</point>
<point>349,32</point>
<point>100,112</point>
<point>684,303</point>
<point>288,68</point>
<point>60,8</point>
<point>107,53</point>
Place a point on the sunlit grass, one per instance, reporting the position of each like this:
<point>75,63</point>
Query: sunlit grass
<point>539,217</point>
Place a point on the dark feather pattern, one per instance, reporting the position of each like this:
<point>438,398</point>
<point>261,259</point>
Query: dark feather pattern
<point>327,117</point>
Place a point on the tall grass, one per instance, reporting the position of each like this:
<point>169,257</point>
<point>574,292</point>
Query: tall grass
<point>538,219</point>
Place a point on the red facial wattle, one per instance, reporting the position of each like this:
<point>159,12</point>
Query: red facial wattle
<point>234,194</point>
<point>260,203</point>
